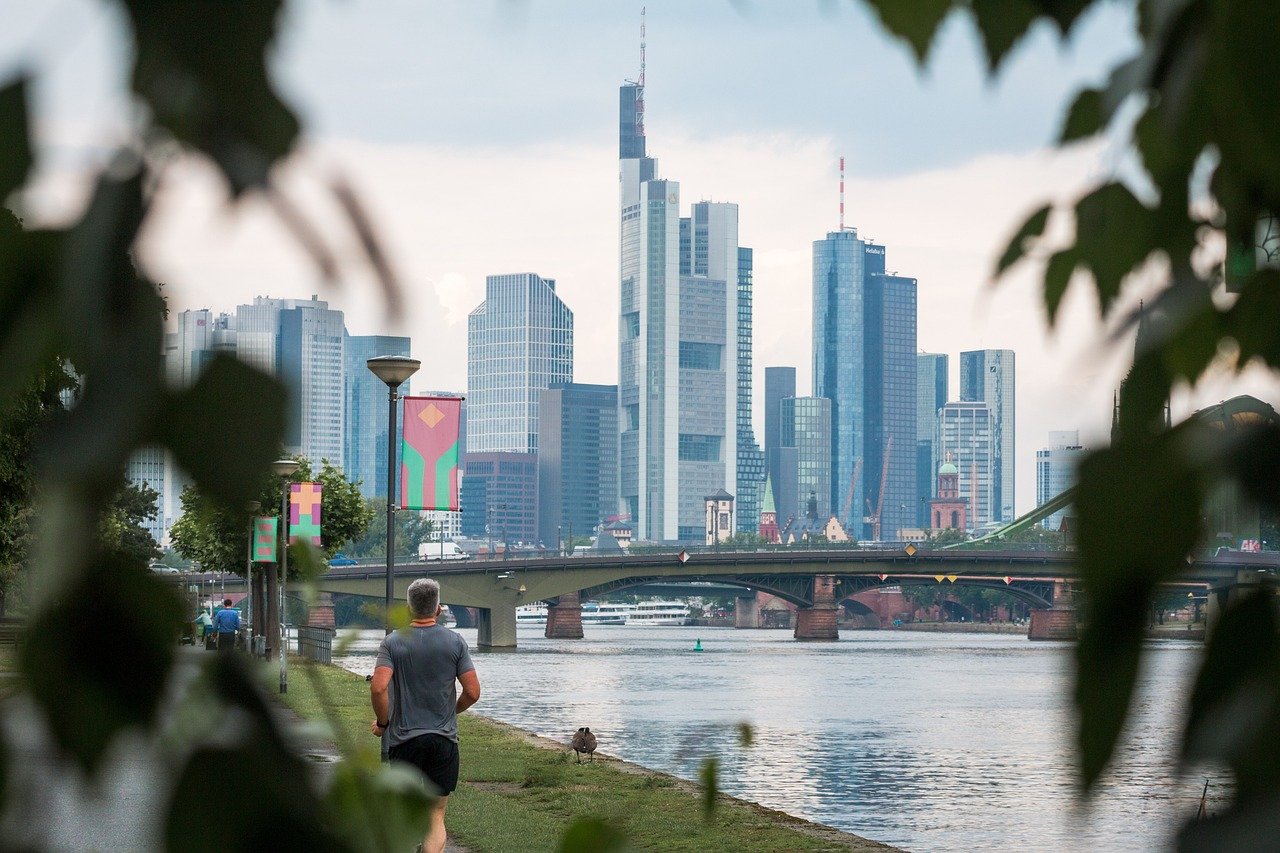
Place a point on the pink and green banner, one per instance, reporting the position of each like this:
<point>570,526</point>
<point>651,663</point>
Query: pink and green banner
<point>429,453</point>
<point>265,534</point>
<point>304,512</point>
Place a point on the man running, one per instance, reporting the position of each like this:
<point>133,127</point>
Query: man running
<point>419,717</point>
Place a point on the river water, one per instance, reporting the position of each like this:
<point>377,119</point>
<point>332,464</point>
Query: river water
<point>931,742</point>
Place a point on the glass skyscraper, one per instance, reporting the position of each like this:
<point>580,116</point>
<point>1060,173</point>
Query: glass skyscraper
<point>966,439</point>
<point>988,375</point>
<point>519,341</point>
<point>1056,471</point>
<point>806,427</point>
<point>932,391</point>
<point>779,383</point>
<point>364,449</point>
<point>311,367</point>
<point>577,459</point>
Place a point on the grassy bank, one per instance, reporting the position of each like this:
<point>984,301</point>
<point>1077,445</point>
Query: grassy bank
<point>518,794</point>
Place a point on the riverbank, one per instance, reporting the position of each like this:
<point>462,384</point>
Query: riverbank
<point>962,628</point>
<point>519,792</point>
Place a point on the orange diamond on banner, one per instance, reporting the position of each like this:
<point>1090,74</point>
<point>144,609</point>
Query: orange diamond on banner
<point>431,415</point>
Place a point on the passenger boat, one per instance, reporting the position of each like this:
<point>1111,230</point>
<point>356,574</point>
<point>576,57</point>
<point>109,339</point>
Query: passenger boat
<point>659,613</point>
<point>531,614</point>
<point>605,613</point>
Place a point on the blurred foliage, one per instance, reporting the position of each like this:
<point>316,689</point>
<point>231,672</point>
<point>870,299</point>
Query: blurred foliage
<point>217,537</point>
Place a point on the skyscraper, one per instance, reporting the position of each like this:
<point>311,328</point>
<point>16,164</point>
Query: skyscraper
<point>806,428</point>
<point>966,439</point>
<point>311,367</point>
<point>577,459</point>
<point>684,350</point>
<point>1056,471</point>
<point>864,344</point>
<point>364,446</point>
<point>988,375</point>
<point>779,383</point>
<point>932,391</point>
<point>519,341</point>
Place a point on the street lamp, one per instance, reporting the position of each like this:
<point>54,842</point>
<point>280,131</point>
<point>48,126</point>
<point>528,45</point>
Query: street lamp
<point>250,599</point>
<point>284,469</point>
<point>393,370</point>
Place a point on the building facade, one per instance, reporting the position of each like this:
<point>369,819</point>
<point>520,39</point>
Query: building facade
<point>499,498</point>
<point>966,438</point>
<point>577,459</point>
<point>806,430</point>
<point>519,341</point>
<point>1056,471</point>
<point>364,444</point>
<point>989,376</point>
<point>932,391</point>
<point>311,366</point>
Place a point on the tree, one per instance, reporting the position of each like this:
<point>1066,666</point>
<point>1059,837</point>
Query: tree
<point>122,526</point>
<point>412,529</point>
<point>942,538</point>
<point>218,538</point>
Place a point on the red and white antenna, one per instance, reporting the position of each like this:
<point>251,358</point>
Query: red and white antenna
<point>841,192</point>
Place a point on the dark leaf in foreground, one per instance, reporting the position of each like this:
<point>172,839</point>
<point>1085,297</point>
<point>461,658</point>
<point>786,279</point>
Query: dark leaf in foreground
<point>92,679</point>
<point>1001,23</point>
<point>384,807</point>
<point>709,776</point>
<point>1017,248</point>
<point>914,22</point>
<point>592,835</point>
<point>1251,826</point>
<point>15,145</point>
<point>1085,118</point>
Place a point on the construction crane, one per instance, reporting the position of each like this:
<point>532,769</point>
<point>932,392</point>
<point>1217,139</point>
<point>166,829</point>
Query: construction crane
<point>874,516</point>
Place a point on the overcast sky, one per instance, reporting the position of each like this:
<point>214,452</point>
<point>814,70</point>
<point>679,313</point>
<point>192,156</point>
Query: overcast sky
<point>483,136</point>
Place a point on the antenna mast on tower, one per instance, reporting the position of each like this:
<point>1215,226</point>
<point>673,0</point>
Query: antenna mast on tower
<point>841,191</point>
<point>640,92</point>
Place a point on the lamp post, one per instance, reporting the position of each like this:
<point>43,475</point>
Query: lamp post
<point>249,598</point>
<point>284,468</point>
<point>393,370</point>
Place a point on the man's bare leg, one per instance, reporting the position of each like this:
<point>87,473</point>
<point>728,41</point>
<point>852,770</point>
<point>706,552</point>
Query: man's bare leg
<point>434,842</point>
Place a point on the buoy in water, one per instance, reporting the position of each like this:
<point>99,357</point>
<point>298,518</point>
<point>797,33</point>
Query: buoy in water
<point>697,646</point>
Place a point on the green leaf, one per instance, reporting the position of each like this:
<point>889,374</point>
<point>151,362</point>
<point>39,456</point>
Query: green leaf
<point>1114,234</point>
<point>226,429</point>
<point>94,681</point>
<point>1254,461</point>
<point>1017,248</point>
<point>1085,118</point>
<point>1122,558</point>
<point>1002,23</point>
<point>914,22</point>
<point>29,314</point>
<point>592,835</point>
<point>385,807</point>
<point>1064,13</point>
<point>709,776</point>
<point>201,66</point>
<point>15,144</point>
<point>746,735</point>
<point>1057,278</point>
<point>1252,320</point>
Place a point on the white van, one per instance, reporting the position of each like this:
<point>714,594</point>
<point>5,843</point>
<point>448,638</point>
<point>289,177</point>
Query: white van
<point>434,552</point>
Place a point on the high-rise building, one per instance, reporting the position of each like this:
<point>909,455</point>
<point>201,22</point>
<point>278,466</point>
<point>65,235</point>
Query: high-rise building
<point>966,439</point>
<point>499,497</point>
<point>684,350</point>
<point>311,367</point>
<point>932,391</point>
<point>364,446</point>
<point>864,345</point>
<point>577,459</point>
<point>988,375</point>
<point>779,383</point>
<point>519,341</point>
<point>1056,471</point>
<point>148,466</point>
<point>806,428</point>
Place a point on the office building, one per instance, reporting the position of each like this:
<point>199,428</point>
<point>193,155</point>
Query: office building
<point>751,463</point>
<point>1056,471</point>
<point>932,391</point>
<point>779,383</point>
<point>364,444</point>
<point>864,347</point>
<point>519,341</point>
<point>499,498</point>
<point>150,467</point>
<point>966,439</point>
<point>988,376</point>
<point>577,459</point>
<point>806,431</point>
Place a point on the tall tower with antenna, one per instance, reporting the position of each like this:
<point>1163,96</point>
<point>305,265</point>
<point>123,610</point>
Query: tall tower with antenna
<point>841,193</point>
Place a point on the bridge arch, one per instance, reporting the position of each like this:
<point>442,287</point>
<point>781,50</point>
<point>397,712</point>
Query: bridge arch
<point>797,590</point>
<point>1038,594</point>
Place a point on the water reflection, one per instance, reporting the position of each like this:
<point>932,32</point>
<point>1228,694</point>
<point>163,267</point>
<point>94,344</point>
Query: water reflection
<point>931,742</point>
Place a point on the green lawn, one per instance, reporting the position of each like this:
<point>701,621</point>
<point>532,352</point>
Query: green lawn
<point>517,796</point>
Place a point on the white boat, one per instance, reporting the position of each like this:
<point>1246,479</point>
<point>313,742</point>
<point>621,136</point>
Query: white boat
<point>605,613</point>
<point>659,613</point>
<point>531,614</point>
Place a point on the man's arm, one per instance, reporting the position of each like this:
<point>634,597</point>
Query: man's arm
<point>381,701</point>
<point>470,689</point>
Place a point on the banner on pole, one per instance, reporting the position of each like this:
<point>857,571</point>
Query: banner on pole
<point>265,533</point>
<point>304,512</point>
<point>429,453</point>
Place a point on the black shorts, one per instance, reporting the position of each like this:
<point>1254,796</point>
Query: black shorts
<point>435,755</point>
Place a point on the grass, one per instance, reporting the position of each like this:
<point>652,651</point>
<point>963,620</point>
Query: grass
<point>518,796</point>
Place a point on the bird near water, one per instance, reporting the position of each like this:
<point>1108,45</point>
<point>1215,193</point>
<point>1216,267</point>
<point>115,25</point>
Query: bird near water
<point>584,741</point>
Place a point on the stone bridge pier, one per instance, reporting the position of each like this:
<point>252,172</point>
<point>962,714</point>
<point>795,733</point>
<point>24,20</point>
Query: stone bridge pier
<point>746,611</point>
<point>564,618</point>
<point>1060,622</point>
<point>496,627</point>
<point>818,621</point>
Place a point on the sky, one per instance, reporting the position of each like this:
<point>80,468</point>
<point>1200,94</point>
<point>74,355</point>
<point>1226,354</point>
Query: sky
<point>482,137</point>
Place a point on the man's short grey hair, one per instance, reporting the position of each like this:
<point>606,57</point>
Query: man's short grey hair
<point>424,598</point>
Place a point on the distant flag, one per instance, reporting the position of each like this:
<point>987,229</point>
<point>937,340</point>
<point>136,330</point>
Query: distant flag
<point>304,512</point>
<point>429,453</point>
<point>265,533</point>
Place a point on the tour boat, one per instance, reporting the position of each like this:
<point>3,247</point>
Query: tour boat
<point>605,613</point>
<point>531,614</point>
<point>659,613</point>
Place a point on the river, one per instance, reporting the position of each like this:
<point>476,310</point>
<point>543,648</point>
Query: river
<point>931,742</point>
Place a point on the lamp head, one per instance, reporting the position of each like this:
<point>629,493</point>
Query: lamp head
<point>393,369</point>
<point>285,467</point>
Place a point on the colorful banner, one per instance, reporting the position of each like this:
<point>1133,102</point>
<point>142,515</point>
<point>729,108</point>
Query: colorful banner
<point>265,534</point>
<point>429,453</point>
<point>304,512</point>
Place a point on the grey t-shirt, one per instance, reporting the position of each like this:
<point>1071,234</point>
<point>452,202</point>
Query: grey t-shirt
<point>425,664</point>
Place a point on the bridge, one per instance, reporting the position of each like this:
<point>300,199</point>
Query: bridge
<point>813,580</point>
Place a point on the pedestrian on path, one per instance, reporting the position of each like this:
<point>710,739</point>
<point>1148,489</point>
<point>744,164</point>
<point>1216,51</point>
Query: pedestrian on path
<point>226,622</point>
<point>418,716</point>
